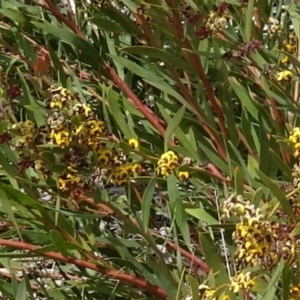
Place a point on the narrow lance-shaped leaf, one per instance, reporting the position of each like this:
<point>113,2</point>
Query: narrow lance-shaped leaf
<point>172,126</point>
<point>146,202</point>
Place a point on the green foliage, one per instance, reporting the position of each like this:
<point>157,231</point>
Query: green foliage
<point>149,149</point>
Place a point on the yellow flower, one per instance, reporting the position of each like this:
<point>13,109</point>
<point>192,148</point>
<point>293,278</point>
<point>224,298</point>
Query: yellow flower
<point>104,157</point>
<point>134,168</point>
<point>120,176</point>
<point>295,135</point>
<point>241,281</point>
<point>285,60</point>
<point>56,102</point>
<point>82,109</point>
<point>166,164</point>
<point>73,179</point>
<point>184,175</point>
<point>294,138</point>
<point>61,138</point>
<point>95,127</point>
<point>133,143</point>
<point>62,184</point>
<point>29,124</point>
<point>290,48</point>
<point>284,76</point>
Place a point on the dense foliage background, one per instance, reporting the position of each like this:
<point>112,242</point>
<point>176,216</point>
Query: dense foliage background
<point>149,149</point>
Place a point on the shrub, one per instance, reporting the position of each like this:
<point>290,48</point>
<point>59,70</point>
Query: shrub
<point>149,150</point>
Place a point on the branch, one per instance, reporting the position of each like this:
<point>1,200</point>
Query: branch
<point>154,120</point>
<point>60,17</point>
<point>113,274</point>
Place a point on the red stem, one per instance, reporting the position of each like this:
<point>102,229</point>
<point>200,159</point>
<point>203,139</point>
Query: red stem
<point>125,278</point>
<point>59,16</point>
<point>154,120</point>
<point>203,266</point>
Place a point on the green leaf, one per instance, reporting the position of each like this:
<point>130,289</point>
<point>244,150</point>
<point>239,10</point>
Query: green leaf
<point>137,69</point>
<point>282,165</point>
<point>194,285</point>
<point>59,242</point>
<point>264,155</point>
<point>122,19</point>
<point>286,282</point>
<point>213,156</point>
<point>173,124</point>
<point>106,24</point>
<point>6,289</point>
<point>249,21</point>
<point>294,17</point>
<point>166,88</point>
<point>228,111</point>
<point>213,259</point>
<point>296,231</point>
<point>180,135</point>
<point>115,111</point>
<point>202,215</point>
<point>146,203</point>
<point>22,291</point>
<point>271,289</point>
<point>20,197</point>
<point>31,104</point>
<point>7,208</point>
<point>8,170</point>
<point>244,97</point>
<point>164,278</point>
<point>181,221</point>
<point>256,199</point>
<point>180,286</point>
<point>57,65</point>
<point>87,52</point>
<point>14,15</point>
<point>164,56</point>
<point>278,193</point>
<point>238,181</point>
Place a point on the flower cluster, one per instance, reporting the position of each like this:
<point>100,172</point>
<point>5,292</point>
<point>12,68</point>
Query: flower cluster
<point>275,27</point>
<point>284,76</point>
<point>289,46</point>
<point>80,129</point>
<point>294,292</point>
<point>242,281</point>
<point>5,108</point>
<point>84,155</point>
<point>68,180</point>
<point>167,163</point>
<point>216,21</point>
<point>209,293</point>
<point>28,132</point>
<point>258,240</point>
<point>291,189</point>
<point>294,139</point>
<point>252,235</point>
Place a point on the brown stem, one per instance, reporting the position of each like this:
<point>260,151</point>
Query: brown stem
<point>183,89</point>
<point>154,120</point>
<point>113,274</point>
<point>59,16</point>
<point>212,171</point>
<point>194,260</point>
<point>195,61</point>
